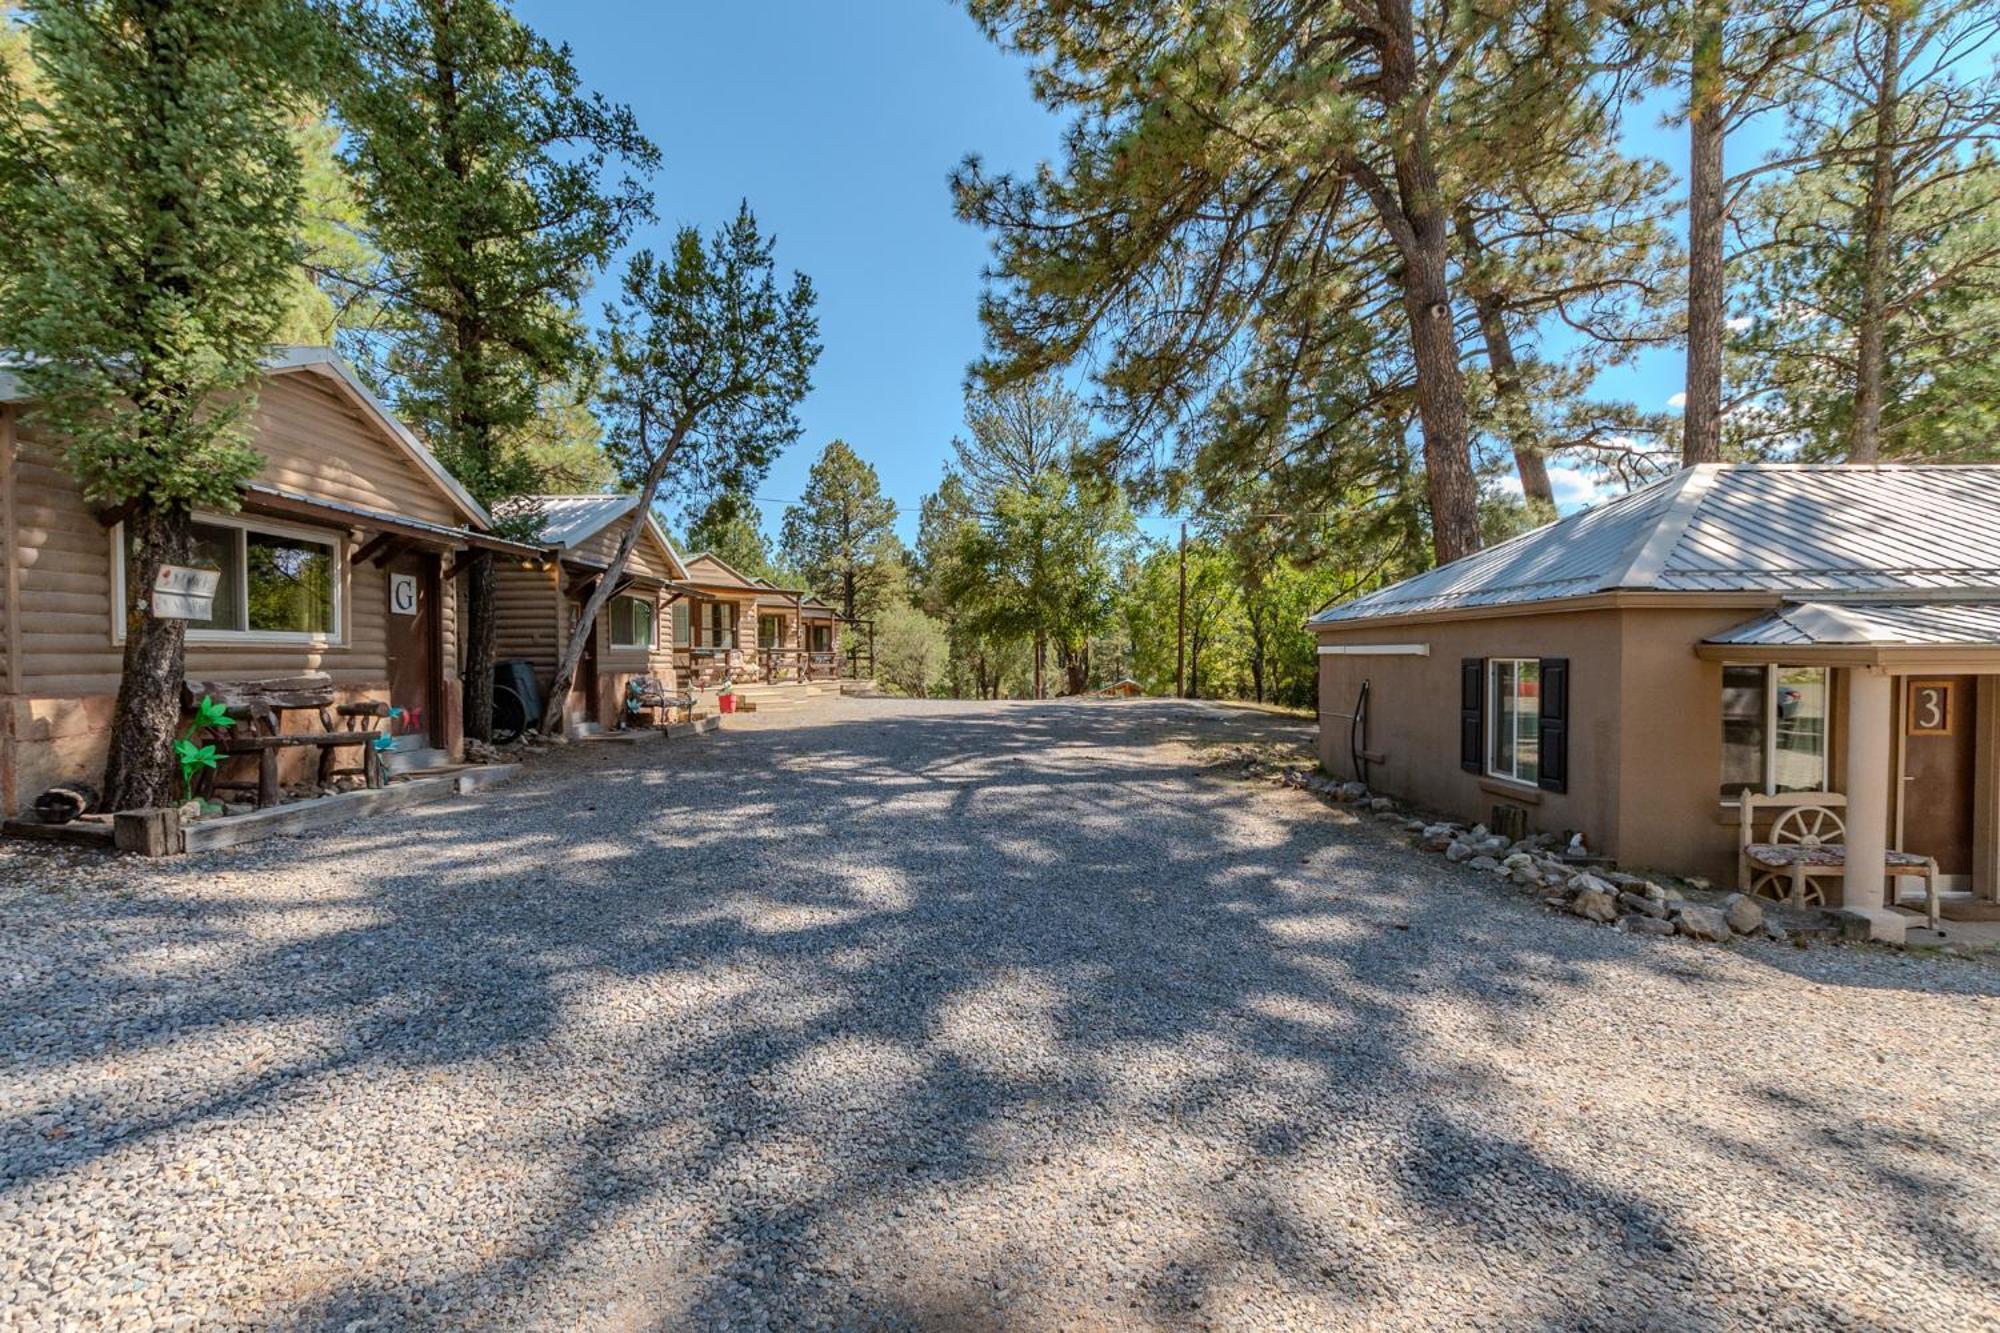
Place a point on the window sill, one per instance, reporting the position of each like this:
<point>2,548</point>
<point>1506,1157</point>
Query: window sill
<point>224,639</point>
<point>1512,790</point>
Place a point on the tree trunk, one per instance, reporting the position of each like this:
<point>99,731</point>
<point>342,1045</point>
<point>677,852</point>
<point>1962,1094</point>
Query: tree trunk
<point>1414,214</point>
<point>1511,395</point>
<point>1871,331</point>
<point>554,711</point>
<point>1701,420</point>
<point>482,584</point>
<point>1041,659</point>
<point>140,770</point>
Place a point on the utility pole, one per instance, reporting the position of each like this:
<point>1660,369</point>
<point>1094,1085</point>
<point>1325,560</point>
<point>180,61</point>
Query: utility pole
<point>1180,624</point>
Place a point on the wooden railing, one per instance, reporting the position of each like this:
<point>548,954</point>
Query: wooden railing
<point>702,667</point>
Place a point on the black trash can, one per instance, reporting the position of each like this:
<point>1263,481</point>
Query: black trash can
<point>517,699</point>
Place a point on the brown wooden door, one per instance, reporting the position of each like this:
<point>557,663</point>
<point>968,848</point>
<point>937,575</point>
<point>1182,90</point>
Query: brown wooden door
<point>413,640</point>
<point>1939,746</point>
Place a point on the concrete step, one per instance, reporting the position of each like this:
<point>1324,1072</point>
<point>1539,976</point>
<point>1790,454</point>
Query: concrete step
<point>398,760</point>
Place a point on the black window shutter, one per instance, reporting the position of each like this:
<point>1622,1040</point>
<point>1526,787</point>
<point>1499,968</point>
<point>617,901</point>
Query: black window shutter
<point>1555,724</point>
<point>1472,714</point>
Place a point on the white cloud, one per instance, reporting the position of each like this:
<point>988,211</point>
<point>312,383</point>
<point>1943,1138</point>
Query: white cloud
<point>1679,400</point>
<point>1740,323</point>
<point>1575,488</point>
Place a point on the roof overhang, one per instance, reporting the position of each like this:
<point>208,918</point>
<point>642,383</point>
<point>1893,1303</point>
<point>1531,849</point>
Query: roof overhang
<point>1900,658</point>
<point>277,502</point>
<point>1929,634</point>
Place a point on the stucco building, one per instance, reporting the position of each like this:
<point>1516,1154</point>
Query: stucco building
<point>1823,634</point>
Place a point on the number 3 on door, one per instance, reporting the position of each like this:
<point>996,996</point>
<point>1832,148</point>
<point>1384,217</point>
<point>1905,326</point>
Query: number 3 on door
<point>1930,711</point>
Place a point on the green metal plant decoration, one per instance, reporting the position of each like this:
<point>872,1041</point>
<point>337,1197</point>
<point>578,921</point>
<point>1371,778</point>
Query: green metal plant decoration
<point>208,714</point>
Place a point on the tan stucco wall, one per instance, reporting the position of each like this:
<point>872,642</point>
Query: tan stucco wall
<point>1414,710</point>
<point>1645,749</point>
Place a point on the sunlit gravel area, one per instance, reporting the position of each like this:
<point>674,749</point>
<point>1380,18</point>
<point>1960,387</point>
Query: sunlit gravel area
<point>881,1014</point>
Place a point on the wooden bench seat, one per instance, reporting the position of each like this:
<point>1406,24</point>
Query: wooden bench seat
<point>258,708</point>
<point>1805,843</point>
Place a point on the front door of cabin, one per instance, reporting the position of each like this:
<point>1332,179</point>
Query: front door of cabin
<point>413,641</point>
<point>1940,746</point>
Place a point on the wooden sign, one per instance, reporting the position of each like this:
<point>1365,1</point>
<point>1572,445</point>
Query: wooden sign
<point>1932,710</point>
<point>181,593</point>
<point>403,594</point>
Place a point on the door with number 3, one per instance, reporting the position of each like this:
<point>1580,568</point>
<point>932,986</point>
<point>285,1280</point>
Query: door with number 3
<point>1940,745</point>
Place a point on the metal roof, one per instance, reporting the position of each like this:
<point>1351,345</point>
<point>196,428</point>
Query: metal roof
<point>568,520</point>
<point>1919,624</point>
<point>1783,528</point>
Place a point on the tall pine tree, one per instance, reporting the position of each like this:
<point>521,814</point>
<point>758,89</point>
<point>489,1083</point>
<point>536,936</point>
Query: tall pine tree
<point>486,170</point>
<point>149,207</point>
<point>1237,170</point>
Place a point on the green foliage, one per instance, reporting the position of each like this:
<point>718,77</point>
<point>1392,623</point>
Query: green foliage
<point>563,443</point>
<point>912,653</point>
<point>1250,237</point>
<point>730,527</point>
<point>841,536</point>
<point>707,358</point>
<point>194,759</point>
<point>1881,245</point>
<point>149,212</point>
<point>485,174</point>
<point>1017,543</point>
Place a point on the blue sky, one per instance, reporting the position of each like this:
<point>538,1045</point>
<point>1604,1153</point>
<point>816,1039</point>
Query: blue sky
<point>840,123</point>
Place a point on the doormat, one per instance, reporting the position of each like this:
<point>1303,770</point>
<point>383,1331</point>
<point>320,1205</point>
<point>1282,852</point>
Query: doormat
<point>1969,911</point>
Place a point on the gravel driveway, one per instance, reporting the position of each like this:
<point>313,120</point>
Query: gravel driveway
<point>891,1014</point>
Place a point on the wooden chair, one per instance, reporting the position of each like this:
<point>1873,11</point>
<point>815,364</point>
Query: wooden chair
<point>1807,843</point>
<point>258,709</point>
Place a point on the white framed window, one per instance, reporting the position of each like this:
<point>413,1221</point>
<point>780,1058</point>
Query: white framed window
<point>683,628</point>
<point>631,622</point>
<point>1774,729</point>
<point>280,583</point>
<point>1514,718</point>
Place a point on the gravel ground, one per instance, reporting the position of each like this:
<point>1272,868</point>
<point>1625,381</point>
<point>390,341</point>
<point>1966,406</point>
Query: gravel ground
<point>890,1014</point>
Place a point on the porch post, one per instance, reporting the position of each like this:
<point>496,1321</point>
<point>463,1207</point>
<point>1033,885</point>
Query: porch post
<point>1868,708</point>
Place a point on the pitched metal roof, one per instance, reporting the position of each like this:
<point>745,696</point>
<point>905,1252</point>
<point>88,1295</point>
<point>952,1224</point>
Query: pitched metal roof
<point>1919,624</point>
<point>1782,528</point>
<point>568,519</point>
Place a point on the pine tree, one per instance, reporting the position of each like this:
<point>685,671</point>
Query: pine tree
<point>1250,191</point>
<point>1874,273</point>
<point>841,535</point>
<point>485,170</point>
<point>1740,63</point>
<point>149,207</point>
<point>707,359</point>
<point>730,527</point>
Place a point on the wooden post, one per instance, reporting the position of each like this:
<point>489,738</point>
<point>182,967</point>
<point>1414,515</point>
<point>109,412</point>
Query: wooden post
<point>1180,624</point>
<point>151,832</point>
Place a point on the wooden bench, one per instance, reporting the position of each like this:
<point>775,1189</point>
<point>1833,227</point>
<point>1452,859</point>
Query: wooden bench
<point>644,693</point>
<point>1805,843</point>
<point>258,708</point>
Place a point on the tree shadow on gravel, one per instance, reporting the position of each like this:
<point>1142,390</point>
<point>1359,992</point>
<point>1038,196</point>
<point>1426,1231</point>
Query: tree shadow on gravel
<point>917,1017</point>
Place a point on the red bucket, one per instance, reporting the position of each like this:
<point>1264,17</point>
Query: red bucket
<point>727,702</point>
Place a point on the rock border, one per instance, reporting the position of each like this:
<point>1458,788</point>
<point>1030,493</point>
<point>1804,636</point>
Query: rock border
<point>1629,903</point>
